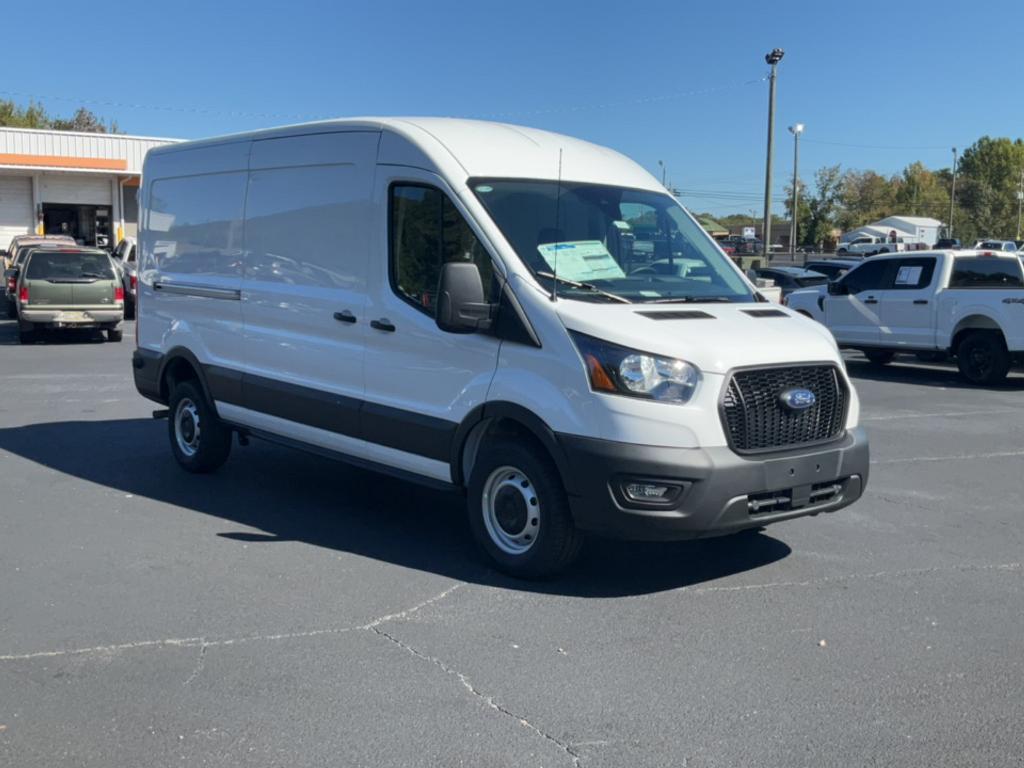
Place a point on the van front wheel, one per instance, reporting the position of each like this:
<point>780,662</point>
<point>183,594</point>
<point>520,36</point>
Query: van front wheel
<point>519,511</point>
<point>199,441</point>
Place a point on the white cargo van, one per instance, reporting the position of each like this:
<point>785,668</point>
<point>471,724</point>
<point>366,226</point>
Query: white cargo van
<point>525,317</point>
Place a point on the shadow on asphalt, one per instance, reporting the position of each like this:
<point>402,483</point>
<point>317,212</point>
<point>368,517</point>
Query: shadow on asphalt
<point>9,336</point>
<point>293,496</point>
<point>907,370</point>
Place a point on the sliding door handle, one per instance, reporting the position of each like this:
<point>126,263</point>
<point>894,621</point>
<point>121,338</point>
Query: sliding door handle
<point>920,301</point>
<point>383,325</point>
<point>870,301</point>
<point>344,316</point>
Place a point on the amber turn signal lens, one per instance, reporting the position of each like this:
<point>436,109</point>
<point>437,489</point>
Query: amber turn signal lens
<point>599,378</point>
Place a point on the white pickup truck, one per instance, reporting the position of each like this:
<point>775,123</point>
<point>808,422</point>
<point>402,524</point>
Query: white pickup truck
<point>969,304</point>
<point>866,245</point>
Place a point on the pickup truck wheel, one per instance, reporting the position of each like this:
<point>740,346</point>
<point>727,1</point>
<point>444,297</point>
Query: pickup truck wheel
<point>115,334</point>
<point>199,441</point>
<point>519,511</point>
<point>983,358</point>
<point>879,356</point>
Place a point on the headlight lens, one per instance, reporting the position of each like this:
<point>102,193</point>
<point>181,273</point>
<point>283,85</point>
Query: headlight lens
<point>624,371</point>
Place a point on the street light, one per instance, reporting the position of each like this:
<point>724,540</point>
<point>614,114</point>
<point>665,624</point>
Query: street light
<point>952,195</point>
<point>664,168</point>
<point>796,130</point>
<point>772,58</point>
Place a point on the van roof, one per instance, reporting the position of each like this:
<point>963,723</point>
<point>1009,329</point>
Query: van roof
<point>471,148</point>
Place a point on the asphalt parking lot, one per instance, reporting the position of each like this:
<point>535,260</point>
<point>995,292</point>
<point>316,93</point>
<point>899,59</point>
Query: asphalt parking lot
<point>288,611</point>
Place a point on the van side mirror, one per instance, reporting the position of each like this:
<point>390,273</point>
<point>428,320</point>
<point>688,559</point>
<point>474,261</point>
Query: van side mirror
<point>461,307</point>
<point>838,288</point>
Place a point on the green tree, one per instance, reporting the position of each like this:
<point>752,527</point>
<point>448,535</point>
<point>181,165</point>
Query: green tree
<point>987,185</point>
<point>32,116</point>
<point>823,205</point>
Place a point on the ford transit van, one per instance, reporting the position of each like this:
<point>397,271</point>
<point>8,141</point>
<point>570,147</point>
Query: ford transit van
<point>524,317</point>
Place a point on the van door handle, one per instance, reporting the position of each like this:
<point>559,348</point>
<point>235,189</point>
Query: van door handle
<point>344,317</point>
<point>870,301</point>
<point>920,301</point>
<point>383,325</point>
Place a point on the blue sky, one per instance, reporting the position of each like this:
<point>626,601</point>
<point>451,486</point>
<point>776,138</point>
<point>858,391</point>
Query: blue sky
<point>878,84</point>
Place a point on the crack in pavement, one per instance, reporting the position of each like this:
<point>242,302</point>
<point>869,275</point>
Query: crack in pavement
<point>200,662</point>
<point>565,747</point>
<point>203,643</point>
<point>915,459</point>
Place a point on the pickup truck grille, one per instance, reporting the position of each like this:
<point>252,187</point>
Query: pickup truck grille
<point>756,419</point>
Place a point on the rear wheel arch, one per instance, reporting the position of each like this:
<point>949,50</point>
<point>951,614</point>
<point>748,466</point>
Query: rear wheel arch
<point>971,324</point>
<point>181,365</point>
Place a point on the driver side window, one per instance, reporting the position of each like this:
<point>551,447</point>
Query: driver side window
<point>869,276</point>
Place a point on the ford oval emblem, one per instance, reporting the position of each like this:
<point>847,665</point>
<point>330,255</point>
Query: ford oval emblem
<point>798,399</point>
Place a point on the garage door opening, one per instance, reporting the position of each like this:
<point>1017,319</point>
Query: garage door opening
<point>88,224</point>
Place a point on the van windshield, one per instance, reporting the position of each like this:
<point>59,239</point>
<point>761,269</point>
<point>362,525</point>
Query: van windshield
<point>610,243</point>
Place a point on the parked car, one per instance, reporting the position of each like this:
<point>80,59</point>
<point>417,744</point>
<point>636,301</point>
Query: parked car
<point>791,279</point>
<point>996,245</point>
<point>22,241</point>
<point>867,245</point>
<point>964,303</point>
<point>948,244</point>
<point>22,250</point>
<point>558,392</point>
<point>832,268</point>
<point>68,288</point>
<point>124,256</point>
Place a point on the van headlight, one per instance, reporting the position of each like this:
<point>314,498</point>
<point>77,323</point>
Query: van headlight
<point>624,371</point>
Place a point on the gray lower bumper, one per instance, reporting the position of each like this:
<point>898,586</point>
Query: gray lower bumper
<point>720,492</point>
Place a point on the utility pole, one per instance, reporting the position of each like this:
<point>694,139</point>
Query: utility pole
<point>772,58</point>
<point>796,130</point>
<point>1020,201</point>
<point>664,170</point>
<point>952,195</point>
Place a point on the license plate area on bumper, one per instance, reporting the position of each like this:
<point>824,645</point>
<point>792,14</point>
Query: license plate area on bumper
<point>802,470</point>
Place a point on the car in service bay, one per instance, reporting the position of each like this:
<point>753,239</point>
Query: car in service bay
<point>466,304</point>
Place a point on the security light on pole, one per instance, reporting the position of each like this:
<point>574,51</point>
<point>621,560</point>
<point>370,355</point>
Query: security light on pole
<point>796,130</point>
<point>773,58</point>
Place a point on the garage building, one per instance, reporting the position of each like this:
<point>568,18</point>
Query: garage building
<point>82,184</point>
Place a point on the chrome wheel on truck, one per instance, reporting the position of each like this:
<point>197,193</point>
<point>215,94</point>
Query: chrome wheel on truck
<point>519,511</point>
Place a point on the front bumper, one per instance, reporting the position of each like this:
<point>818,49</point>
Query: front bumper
<point>721,492</point>
<point>71,318</point>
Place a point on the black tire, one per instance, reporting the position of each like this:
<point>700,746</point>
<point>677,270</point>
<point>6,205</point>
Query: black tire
<point>129,310</point>
<point>115,334</point>
<point>529,481</point>
<point>12,310</point>
<point>26,337</point>
<point>879,356</point>
<point>983,358</point>
<point>205,446</point>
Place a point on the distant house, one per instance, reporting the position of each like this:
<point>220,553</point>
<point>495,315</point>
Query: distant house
<point>914,229</point>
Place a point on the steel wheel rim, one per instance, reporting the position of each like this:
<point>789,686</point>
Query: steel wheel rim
<point>186,427</point>
<point>980,359</point>
<point>511,510</point>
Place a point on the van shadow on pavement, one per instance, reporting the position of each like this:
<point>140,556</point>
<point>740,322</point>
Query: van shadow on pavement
<point>293,496</point>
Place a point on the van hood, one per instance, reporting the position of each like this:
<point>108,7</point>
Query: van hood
<point>714,337</point>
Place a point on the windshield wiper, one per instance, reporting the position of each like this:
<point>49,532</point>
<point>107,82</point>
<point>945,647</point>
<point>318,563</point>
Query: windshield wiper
<point>690,299</point>
<point>585,286</point>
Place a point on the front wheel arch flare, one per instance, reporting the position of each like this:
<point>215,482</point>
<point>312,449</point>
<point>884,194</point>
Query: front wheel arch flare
<point>482,419</point>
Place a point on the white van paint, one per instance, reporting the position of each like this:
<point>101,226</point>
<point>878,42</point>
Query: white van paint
<point>268,278</point>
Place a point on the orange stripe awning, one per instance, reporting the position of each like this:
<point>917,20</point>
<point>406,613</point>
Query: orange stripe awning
<point>57,161</point>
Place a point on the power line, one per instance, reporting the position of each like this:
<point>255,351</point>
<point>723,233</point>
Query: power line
<point>944,147</point>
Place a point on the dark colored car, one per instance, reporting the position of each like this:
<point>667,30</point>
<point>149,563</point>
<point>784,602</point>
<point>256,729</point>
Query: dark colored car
<point>948,244</point>
<point>68,288</point>
<point>791,279</point>
<point>833,269</point>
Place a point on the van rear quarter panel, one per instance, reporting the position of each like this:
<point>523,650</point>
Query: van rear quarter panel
<point>193,202</point>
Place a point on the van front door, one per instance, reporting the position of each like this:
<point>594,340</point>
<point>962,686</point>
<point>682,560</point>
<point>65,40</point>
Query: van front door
<point>420,381</point>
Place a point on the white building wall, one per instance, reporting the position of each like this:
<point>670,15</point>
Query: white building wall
<point>106,146</point>
<point>16,211</point>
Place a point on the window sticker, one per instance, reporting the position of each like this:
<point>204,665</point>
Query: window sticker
<point>909,275</point>
<point>581,260</point>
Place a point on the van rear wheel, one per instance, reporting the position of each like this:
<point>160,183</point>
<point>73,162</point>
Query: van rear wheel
<point>879,356</point>
<point>519,511</point>
<point>199,440</point>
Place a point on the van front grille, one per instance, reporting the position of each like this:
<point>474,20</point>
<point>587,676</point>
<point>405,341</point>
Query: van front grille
<point>756,418</point>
